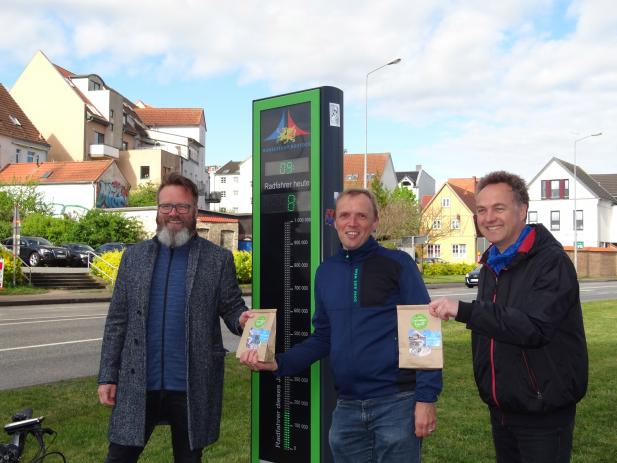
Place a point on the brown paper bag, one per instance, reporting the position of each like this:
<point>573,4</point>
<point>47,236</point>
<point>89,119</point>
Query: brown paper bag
<point>419,338</point>
<point>260,334</point>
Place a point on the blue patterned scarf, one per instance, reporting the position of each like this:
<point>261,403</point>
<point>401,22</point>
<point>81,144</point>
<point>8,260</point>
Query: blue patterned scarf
<point>500,260</point>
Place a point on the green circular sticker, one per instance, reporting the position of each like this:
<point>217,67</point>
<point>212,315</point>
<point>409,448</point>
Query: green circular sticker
<point>419,321</point>
<point>259,321</point>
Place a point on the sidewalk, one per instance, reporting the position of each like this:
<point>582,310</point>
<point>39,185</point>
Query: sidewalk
<point>57,296</point>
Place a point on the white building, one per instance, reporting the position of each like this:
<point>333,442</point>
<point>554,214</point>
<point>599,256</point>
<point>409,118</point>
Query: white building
<point>234,182</point>
<point>418,181</point>
<point>552,198</point>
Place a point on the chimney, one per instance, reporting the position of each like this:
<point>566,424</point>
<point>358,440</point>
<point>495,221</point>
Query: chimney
<point>418,167</point>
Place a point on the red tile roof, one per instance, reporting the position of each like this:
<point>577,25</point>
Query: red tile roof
<point>353,164</point>
<point>468,184</point>
<point>157,117</point>
<point>25,130</point>
<point>55,172</point>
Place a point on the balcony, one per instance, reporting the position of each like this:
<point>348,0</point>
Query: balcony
<point>101,151</point>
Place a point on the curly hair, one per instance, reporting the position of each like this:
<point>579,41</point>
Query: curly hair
<point>518,185</point>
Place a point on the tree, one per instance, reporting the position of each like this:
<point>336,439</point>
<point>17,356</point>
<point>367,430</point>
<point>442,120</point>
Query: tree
<point>98,227</point>
<point>381,193</point>
<point>143,195</point>
<point>400,216</point>
<point>26,197</point>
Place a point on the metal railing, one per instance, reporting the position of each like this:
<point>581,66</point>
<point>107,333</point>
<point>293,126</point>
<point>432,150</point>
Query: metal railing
<point>29,275</point>
<point>93,259</point>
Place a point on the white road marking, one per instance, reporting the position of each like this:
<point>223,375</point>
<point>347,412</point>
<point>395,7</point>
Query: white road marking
<point>50,345</point>
<point>50,320</point>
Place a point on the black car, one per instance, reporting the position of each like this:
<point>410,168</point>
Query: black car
<point>79,254</point>
<point>34,251</point>
<point>471,278</point>
<point>110,247</point>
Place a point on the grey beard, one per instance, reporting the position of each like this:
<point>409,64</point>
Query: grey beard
<point>173,239</point>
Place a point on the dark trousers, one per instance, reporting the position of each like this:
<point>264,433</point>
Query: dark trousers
<point>161,406</point>
<point>522,444</point>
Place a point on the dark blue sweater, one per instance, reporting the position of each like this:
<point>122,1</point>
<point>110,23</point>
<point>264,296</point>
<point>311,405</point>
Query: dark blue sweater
<point>166,354</point>
<point>355,322</point>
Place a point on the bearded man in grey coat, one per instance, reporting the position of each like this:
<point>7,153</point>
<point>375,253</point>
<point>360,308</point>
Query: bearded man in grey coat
<point>162,357</point>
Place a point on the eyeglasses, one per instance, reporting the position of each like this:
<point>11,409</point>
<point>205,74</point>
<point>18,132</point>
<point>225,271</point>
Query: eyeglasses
<point>180,208</point>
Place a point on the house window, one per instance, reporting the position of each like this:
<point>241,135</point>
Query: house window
<point>144,172</point>
<point>223,179</point>
<point>554,220</point>
<point>17,153</point>
<point>99,138</point>
<point>223,194</point>
<point>455,224</point>
<point>235,192</point>
<point>532,217</point>
<point>111,127</point>
<point>437,224</point>
<point>30,156</point>
<point>351,177</point>
<point>125,145</point>
<point>124,119</point>
<point>445,202</point>
<point>235,179</point>
<point>14,120</point>
<point>459,251</point>
<point>92,85</point>
<point>434,250</point>
<point>235,209</point>
<point>555,189</point>
<point>111,114</point>
<point>578,219</point>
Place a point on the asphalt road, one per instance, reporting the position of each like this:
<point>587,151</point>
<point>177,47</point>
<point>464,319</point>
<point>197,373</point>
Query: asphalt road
<point>46,343</point>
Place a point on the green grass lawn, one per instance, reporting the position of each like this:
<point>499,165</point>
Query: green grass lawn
<point>463,434</point>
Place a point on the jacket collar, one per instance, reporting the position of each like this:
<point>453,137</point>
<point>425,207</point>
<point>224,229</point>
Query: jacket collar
<point>361,253</point>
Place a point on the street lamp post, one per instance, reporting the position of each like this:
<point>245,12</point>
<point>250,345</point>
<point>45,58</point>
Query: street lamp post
<point>395,61</point>
<point>575,226</point>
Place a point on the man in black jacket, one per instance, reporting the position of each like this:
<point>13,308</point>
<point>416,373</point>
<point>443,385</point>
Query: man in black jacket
<point>528,341</point>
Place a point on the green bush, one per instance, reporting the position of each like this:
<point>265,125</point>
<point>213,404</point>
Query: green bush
<point>58,230</point>
<point>100,266</point>
<point>244,266</point>
<point>97,227</point>
<point>447,269</point>
<point>8,269</point>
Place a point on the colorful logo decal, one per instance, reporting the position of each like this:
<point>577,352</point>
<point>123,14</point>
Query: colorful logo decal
<point>419,321</point>
<point>259,321</point>
<point>287,130</point>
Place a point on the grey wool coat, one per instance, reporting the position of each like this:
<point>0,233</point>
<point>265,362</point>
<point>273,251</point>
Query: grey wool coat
<point>212,291</point>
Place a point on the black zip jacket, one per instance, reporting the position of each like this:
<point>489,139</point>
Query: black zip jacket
<point>528,341</point>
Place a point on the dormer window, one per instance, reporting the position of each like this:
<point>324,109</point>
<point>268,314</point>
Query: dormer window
<point>14,120</point>
<point>92,85</point>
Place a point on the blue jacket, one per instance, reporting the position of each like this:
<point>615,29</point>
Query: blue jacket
<point>355,322</point>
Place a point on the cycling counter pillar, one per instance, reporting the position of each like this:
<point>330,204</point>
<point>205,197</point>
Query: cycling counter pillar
<point>297,171</point>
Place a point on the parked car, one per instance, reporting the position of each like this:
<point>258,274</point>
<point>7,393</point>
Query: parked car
<point>36,251</point>
<point>110,247</point>
<point>471,278</point>
<point>79,254</point>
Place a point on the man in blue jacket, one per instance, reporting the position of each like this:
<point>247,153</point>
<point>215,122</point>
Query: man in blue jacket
<point>382,411</point>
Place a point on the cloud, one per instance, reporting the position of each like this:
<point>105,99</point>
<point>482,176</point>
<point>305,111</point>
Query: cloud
<point>515,78</point>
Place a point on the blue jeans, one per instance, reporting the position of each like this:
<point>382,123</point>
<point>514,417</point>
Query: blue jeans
<point>380,430</point>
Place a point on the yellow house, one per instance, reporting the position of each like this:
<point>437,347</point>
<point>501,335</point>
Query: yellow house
<point>448,221</point>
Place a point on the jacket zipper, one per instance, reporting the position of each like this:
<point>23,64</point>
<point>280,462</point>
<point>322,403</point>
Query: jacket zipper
<point>532,377</point>
<point>171,255</point>
<point>492,353</point>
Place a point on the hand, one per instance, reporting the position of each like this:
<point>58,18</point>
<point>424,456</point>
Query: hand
<point>107,394</point>
<point>244,316</point>
<point>443,308</point>
<point>249,358</point>
<point>425,418</point>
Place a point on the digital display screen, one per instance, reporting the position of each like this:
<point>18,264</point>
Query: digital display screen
<point>286,166</point>
<point>285,277</point>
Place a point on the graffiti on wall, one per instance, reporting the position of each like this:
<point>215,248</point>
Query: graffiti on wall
<point>111,194</point>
